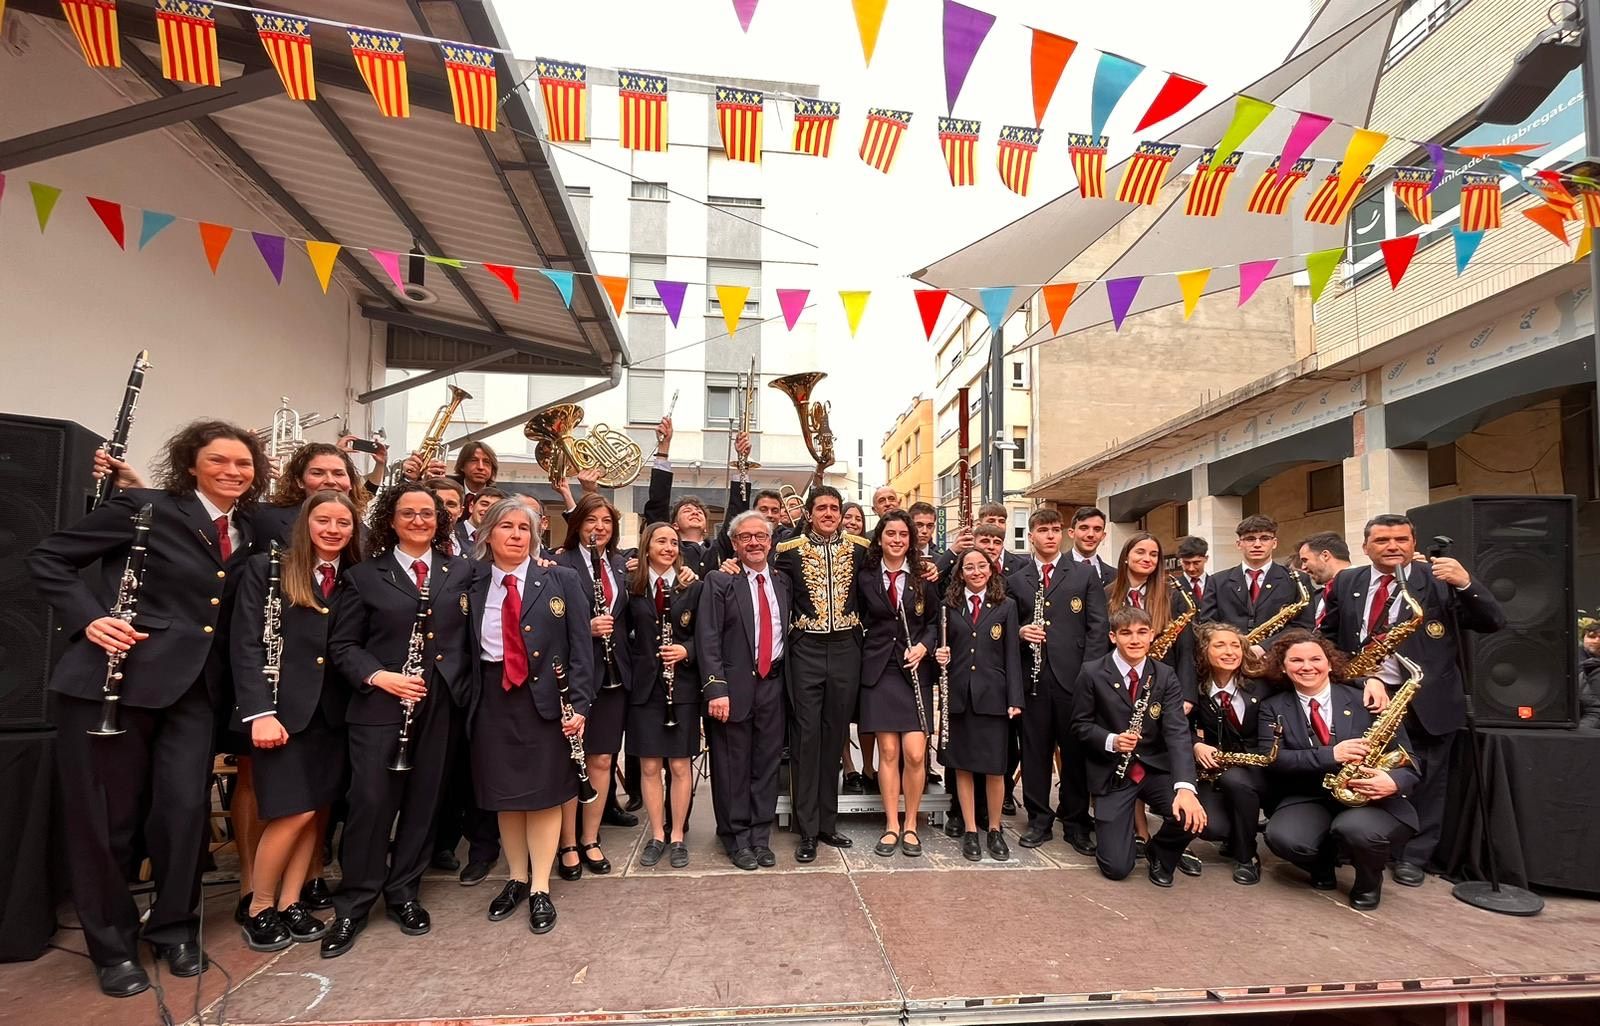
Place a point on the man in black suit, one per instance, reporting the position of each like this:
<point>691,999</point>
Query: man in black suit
<point>1087,532</point>
<point>1106,698</point>
<point>1257,589</point>
<point>152,778</point>
<point>466,527</point>
<point>740,638</point>
<point>996,515</point>
<point>1367,602</point>
<point>1322,557</point>
<point>1074,633</point>
<point>1193,554</point>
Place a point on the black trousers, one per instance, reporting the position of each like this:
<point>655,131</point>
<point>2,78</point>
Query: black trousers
<point>1431,753</point>
<point>824,673</point>
<point>1046,727</point>
<point>384,803</point>
<point>153,780</point>
<point>1312,834</point>
<point>744,770</point>
<point>1233,809</point>
<point>459,815</point>
<point>1113,819</point>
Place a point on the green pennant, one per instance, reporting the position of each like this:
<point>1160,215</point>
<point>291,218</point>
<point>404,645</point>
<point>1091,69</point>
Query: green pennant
<point>44,201</point>
<point>1248,113</point>
<point>445,261</point>
<point>1320,265</point>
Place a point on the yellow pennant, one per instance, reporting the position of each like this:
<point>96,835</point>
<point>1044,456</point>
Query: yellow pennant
<point>1364,145</point>
<point>1192,284</point>
<point>1585,243</point>
<point>322,255</point>
<point>869,19</point>
<point>731,298</point>
<point>855,304</point>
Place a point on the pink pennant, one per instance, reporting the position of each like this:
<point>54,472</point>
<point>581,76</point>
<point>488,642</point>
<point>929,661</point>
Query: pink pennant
<point>390,262</point>
<point>745,9</point>
<point>1251,275</point>
<point>793,302</point>
<point>1301,136</point>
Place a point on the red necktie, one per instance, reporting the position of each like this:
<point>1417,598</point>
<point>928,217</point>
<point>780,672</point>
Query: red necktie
<point>1199,589</point>
<point>326,570</point>
<point>894,595</point>
<point>605,585</point>
<point>977,607</point>
<point>1135,771</point>
<point>1230,709</point>
<point>420,568</point>
<point>1327,593</point>
<point>1045,571</point>
<point>763,629</point>
<point>516,657</point>
<point>1135,598</point>
<point>224,546</point>
<point>1318,726</point>
<point>1380,603</point>
<point>1255,585</point>
<point>661,596</point>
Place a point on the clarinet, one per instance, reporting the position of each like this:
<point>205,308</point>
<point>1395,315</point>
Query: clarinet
<point>412,668</point>
<point>941,694</point>
<point>586,791</point>
<point>669,672</point>
<point>124,609</point>
<point>117,444</point>
<point>1037,646</point>
<point>613,679</point>
<point>1135,724</point>
<point>272,621</point>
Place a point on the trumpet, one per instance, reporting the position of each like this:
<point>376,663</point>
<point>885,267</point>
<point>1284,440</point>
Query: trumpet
<point>561,454</point>
<point>748,386</point>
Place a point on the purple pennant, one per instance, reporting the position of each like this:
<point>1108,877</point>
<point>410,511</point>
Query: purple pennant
<point>671,293</point>
<point>745,9</point>
<point>964,31</point>
<point>1435,154</point>
<point>1251,275</point>
<point>1301,136</point>
<point>271,248</point>
<point>1121,292</point>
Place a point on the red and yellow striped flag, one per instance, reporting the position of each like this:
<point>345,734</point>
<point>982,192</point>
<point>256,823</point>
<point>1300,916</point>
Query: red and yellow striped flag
<point>1272,194</point>
<point>1088,154</point>
<point>288,43</point>
<point>881,141</point>
<point>1480,201</point>
<point>1553,191</point>
<point>1411,188</point>
<point>1018,144</point>
<point>1590,195</point>
<point>94,22</point>
<point>188,42</point>
<point>740,113</point>
<point>814,121</point>
<point>958,138</point>
<point>381,56</point>
<point>473,89</point>
<point>644,111</point>
<point>1209,187</point>
<point>566,99</point>
<point>1328,205</point>
<point>1141,179</point>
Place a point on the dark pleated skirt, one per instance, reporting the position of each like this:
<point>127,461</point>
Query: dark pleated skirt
<point>602,731</point>
<point>650,738</point>
<point>890,707</point>
<point>304,775</point>
<point>521,762</point>
<point>977,743</point>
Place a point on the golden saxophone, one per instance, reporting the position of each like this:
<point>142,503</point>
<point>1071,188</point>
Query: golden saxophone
<point>1169,635</point>
<point>1379,737</point>
<point>1228,760</point>
<point>1282,617</point>
<point>1380,647</point>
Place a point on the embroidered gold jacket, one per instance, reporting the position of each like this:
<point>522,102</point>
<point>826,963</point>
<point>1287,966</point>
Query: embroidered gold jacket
<point>824,574</point>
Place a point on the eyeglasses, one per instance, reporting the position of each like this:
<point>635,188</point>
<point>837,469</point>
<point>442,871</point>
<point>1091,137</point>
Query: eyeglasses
<point>749,536</point>
<point>416,514</point>
<point>1258,538</point>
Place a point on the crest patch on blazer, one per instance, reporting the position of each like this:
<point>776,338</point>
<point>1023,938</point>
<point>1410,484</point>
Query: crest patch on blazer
<point>996,631</point>
<point>688,614</point>
<point>558,607</point>
<point>1435,629</point>
<point>1155,710</point>
<point>465,608</point>
<point>1077,604</point>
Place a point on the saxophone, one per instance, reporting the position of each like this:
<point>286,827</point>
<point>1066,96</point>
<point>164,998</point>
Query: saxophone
<point>1277,621</point>
<point>1228,760</point>
<point>1380,647</point>
<point>1169,636</point>
<point>1379,737</point>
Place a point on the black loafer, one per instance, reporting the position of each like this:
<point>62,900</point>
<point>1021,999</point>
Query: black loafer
<point>184,959</point>
<point>124,979</point>
<point>241,911</point>
<point>887,848</point>
<point>541,913</point>
<point>1324,880</point>
<point>952,824</point>
<point>933,778</point>
<point>745,859</point>
<point>1140,847</point>
<point>1008,806</point>
<point>998,849</point>
<point>315,894</point>
<point>600,866</point>
<point>910,848</point>
<point>614,816</point>
<point>303,926</point>
<point>341,935</point>
<point>513,894</point>
<point>1365,899</point>
<point>652,852</point>
<point>1247,872</point>
<point>1406,874</point>
<point>1189,864</point>
<point>565,871</point>
<point>971,850</point>
<point>1160,875</point>
<point>854,783</point>
<point>1082,842</point>
<point>764,857</point>
<point>834,839</point>
<point>266,931</point>
<point>1035,836</point>
<point>473,873</point>
<point>445,860</point>
<point>806,850</point>
<point>413,918</point>
<point>678,855</point>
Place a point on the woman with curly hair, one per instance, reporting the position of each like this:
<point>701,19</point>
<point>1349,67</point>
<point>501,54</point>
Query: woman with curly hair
<point>1224,719</point>
<point>314,467</point>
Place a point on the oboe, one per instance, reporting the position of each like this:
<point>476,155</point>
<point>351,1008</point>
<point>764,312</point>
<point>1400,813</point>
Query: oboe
<point>272,621</point>
<point>669,672</point>
<point>601,608</point>
<point>412,668</point>
<point>124,609</point>
<point>941,694</point>
<point>117,444</point>
<point>586,791</point>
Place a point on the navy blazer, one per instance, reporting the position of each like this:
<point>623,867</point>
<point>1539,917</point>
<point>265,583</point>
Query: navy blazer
<point>1227,600</point>
<point>1212,726</point>
<point>305,680</point>
<point>885,638</point>
<point>1075,617</point>
<point>725,638</point>
<point>573,560</point>
<point>644,642</point>
<point>986,673</point>
<point>1102,707</point>
<point>555,625</point>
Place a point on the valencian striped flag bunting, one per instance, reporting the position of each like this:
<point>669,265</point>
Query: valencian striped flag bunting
<point>470,70</point>
<point>1332,201</point>
<point>1209,187</point>
<point>1590,195</point>
<point>881,140</point>
<point>740,113</point>
<point>1411,188</point>
<point>1480,201</point>
<point>1088,153</point>
<point>1548,185</point>
<point>566,99</point>
<point>1273,191</point>
<point>1141,181</point>
<point>1018,144</point>
<point>288,43</point>
<point>94,22</point>
<point>814,121</point>
<point>381,56</point>
<point>188,42</point>
<point>958,138</point>
<point>644,111</point>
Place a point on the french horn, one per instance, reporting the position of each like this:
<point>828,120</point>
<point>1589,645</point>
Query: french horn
<point>561,453</point>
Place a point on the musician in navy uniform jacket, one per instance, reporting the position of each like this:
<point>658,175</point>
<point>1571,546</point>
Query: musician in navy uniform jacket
<point>688,515</point>
<point>314,467</point>
<point>1451,601</point>
<point>1256,590</point>
<point>1227,707</point>
<point>155,777</point>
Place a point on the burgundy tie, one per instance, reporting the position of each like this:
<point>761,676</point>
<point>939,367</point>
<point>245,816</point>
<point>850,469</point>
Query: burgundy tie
<point>326,570</point>
<point>224,546</point>
<point>1199,588</point>
<point>1318,726</point>
<point>1136,598</point>
<point>516,657</point>
<point>894,594</point>
<point>1230,709</point>
<point>1135,771</point>
<point>661,596</point>
<point>420,568</point>
<point>1380,603</point>
<point>763,629</point>
<point>977,607</point>
<point>1255,585</point>
<point>605,585</point>
<point>1045,572</point>
<point>1322,610</point>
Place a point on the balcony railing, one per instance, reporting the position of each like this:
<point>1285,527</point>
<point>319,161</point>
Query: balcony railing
<point>1411,38</point>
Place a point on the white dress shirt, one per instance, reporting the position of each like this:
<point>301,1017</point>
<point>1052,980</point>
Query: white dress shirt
<point>1093,561</point>
<point>1040,564</point>
<point>1389,671</point>
<point>405,562</point>
<point>774,616</point>
<point>1228,693</point>
<point>900,582</point>
<point>213,512</point>
<point>491,647</point>
<point>1324,700</point>
<point>616,583</point>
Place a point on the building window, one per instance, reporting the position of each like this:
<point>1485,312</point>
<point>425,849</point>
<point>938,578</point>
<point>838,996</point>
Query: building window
<point>1019,529</point>
<point>645,272</point>
<point>1019,374</point>
<point>1019,455</point>
<point>645,405</point>
<point>650,191</point>
<point>1325,488</point>
<point>956,358</point>
<point>888,471</point>
<point>734,201</point>
<point>1183,522</point>
<point>734,272</point>
<point>725,402</point>
<point>1442,465</point>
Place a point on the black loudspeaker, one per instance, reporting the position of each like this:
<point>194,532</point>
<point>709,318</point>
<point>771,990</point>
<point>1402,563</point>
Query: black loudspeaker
<point>1521,548</point>
<point>46,483</point>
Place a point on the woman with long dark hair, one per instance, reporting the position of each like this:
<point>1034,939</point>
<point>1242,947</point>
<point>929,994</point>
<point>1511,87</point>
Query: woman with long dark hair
<point>1224,720</point>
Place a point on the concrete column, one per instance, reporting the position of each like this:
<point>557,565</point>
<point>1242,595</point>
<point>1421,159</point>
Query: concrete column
<point>1117,532</point>
<point>1378,479</point>
<point>1215,518</point>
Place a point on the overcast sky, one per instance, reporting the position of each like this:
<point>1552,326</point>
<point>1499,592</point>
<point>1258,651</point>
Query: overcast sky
<point>875,229</point>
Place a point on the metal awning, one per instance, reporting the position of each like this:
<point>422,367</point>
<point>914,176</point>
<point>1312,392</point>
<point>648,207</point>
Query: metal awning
<point>335,169</point>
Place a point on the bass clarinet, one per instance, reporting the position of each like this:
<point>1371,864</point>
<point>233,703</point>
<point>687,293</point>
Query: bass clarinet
<point>586,791</point>
<point>272,621</point>
<point>412,668</point>
<point>601,608</point>
<point>117,445</point>
<point>124,609</point>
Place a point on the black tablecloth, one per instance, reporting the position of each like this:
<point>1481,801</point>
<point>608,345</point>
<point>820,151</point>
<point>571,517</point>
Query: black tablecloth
<point>27,790</point>
<point>1544,810</point>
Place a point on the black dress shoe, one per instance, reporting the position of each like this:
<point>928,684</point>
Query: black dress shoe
<point>745,858</point>
<point>1406,874</point>
<point>869,783</point>
<point>998,847</point>
<point>834,839</point>
<point>266,931</point>
<point>806,851</point>
<point>653,850</point>
<point>413,918</point>
<point>303,926</point>
<point>952,824</point>
<point>541,913</point>
<point>764,856</point>
<point>1322,879</point>
<point>1189,864</point>
<point>445,860</point>
<point>473,873</point>
<point>1008,806</point>
<point>1160,875</point>
<point>1365,898</point>
<point>635,803</point>
<point>854,783</point>
<point>1140,847</point>
<point>1036,836</point>
<point>341,935</point>
<point>600,866</point>
<point>933,778</point>
<point>971,850</point>
<point>886,848</point>
<point>678,855</point>
<point>1247,872</point>
<point>565,871</point>
<point>514,893</point>
<point>315,894</point>
<point>184,959</point>
<point>1082,841</point>
<point>124,979</point>
<point>241,911</point>
<point>614,816</point>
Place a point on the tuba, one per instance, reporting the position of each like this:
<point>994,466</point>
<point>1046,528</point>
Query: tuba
<point>561,454</point>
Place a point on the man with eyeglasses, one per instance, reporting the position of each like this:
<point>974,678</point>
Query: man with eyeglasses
<point>1256,590</point>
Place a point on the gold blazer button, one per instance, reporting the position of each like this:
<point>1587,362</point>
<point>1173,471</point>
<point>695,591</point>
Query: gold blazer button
<point>209,629</point>
<point>216,602</point>
<point>221,574</point>
<point>320,660</point>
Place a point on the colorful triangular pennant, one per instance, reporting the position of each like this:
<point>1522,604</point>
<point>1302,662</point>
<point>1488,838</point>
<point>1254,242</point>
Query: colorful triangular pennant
<point>44,201</point>
<point>322,255</point>
<point>1548,218</point>
<point>508,276</point>
<point>745,10</point>
<point>994,301</point>
<point>793,304</point>
<point>1466,245</point>
<point>1177,92</point>
<point>214,239</point>
<point>1320,265</point>
<point>731,299</point>
<point>1057,301</point>
<point>964,31</point>
<point>929,303</point>
<point>1120,293</point>
<point>616,288</point>
<point>1112,77</point>
<point>1585,244</point>
<point>110,215</point>
<point>562,280</point>
<point>1364,145</point>
<point>1305,131</point>
<point>671,295</point>
<point>389,260</point>
<point>1251,274</point>
<point>869,19</point>
<point>855,304</point>
<point>1248,113</point>
<point>1193,285</point>
<point>271,249</point>
<point>1048,60</point>
<point>1397,254</point>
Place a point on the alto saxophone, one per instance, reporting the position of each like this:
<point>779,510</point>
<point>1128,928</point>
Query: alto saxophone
<point>412,668</point>
<point>1228,760</point>
<point>1277,621</point>
<point>1379,737</point>
<point>1169,635</point>
<point>1380,647</point>
<point>272,622</point>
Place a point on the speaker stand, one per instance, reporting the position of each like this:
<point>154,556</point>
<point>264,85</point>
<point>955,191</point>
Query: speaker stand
<point>1491,895</point>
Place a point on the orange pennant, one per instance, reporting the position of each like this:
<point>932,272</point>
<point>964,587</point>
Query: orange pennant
<point>214,237</point>
<point>616,288</point>
<point>1057,300</point>
<point>322,255</point>
<point>1585,244</point>
<point>1548,218</point>
<point>1501,150</point>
